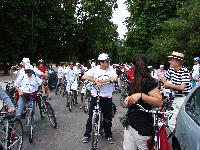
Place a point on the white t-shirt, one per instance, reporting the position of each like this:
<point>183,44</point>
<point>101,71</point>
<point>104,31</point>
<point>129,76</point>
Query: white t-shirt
<point>28,84</point>
<point>61,72</point>
<point>70,74</point>
<point>96,72</point>
<point>195,73</point>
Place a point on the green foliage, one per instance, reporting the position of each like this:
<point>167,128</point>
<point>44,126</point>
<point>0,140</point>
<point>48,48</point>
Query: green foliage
<point>181,33</point>
<point>144,24</point>
<point>96,32</point>
<point>37,29</point>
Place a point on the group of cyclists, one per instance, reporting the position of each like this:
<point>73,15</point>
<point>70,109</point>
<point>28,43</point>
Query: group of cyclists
<point>145,88</point>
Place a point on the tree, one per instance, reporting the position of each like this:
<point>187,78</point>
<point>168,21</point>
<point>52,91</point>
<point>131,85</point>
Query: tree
<point>96,32</point>
<point>144,23</point>
<point>181,33</point>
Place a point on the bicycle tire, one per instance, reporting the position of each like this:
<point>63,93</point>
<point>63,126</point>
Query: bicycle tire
<point>51,115</point>
<point>40,107</point>
<point>86,104</point>
<point>122,98</point>
<point>31,133</point>
<point>94,135</point>
<point>15,136</point>
<point>31,127</point>
<point>70,100</point>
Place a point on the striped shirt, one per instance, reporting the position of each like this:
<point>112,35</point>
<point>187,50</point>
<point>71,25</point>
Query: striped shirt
<point>178,77</point>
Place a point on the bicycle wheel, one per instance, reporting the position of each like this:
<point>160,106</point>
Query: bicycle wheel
<point>31,126</point>
<point>15,136</point>
<point>51,114</point>
<point>94,136</point>
<point>123,96</point>
<point>41,108</point>
<point>86,104</point>
<point>70,101</point>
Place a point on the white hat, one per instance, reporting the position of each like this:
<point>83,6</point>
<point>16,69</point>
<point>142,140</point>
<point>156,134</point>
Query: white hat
<point>162,66</point>
<point>28,68</point>
<point>104,56</point>
<point>177,55</point>
<point>26,61</point>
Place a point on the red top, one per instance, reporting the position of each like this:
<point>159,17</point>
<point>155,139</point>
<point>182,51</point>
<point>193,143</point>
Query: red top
<point>130,74</point>
<point>43,69</point>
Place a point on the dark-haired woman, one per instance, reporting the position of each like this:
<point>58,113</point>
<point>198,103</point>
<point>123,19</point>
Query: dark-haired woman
<point>144,91</point>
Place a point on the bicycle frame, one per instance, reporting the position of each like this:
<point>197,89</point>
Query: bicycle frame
<point>5,128</point>
<point>157,123</point>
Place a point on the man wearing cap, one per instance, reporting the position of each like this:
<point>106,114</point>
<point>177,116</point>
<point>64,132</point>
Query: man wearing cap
<point>177,78</point>
<point>102,75</point>
<point>26,85</point>
<point>196,71</point>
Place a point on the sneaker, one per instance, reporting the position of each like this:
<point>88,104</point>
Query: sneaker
<point>110,140</point>
<point>81,107</point>
<point>85,139</point>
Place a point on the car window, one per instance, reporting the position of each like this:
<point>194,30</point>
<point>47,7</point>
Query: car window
<point>192,106</point>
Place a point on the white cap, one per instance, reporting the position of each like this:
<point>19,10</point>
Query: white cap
<point>28,68</point>
<point>162,66</point>
<point>196,59</point>
<point>104,56</point>
<point>26,61</point>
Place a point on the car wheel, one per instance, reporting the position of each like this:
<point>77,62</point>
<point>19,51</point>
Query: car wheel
<point>175,144</point>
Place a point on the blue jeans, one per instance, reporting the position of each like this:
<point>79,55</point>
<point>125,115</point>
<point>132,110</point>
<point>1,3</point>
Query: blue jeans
<point>57,85</point>
<point>22,102</point>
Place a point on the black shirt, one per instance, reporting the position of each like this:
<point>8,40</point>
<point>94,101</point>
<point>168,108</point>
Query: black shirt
<point>140,120</point>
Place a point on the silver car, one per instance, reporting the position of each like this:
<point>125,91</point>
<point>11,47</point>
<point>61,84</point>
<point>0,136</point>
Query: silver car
<point>187,132</point>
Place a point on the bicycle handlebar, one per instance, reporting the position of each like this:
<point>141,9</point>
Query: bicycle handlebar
<point>167,113</point>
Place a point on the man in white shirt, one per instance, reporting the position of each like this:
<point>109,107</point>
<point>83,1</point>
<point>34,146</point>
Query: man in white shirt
<point>60,75</point>
<point>26,86</point>
<point>102,75</point>
<point>71,81</point>
<point>196,71</point>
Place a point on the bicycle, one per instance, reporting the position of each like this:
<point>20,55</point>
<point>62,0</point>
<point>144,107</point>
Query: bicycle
<point>86,96</point>
<point>70,96</point>
<point>30,112</point>
<point>46,108</point>
<point>159,119</point>
<point>124,94</point>
<point>97,120</point>
<point>11,131</point>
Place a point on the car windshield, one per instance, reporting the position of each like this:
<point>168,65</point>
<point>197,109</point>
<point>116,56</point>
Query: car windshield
<point>193,106</point>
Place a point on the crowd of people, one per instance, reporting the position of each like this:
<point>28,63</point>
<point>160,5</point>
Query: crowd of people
<point>146,85</point>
